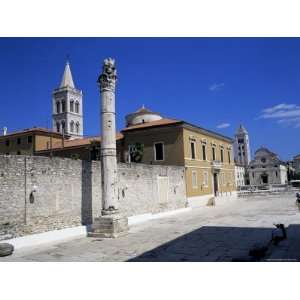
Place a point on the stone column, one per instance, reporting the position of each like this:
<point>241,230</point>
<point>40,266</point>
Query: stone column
<point>107,83</point>
<point>111,223</point>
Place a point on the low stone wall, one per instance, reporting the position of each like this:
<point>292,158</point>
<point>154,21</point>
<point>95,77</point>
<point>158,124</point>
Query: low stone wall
<point>244,194</point>
<point>39,194</point>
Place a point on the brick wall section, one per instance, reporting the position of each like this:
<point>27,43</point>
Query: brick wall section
<point>69,192</point>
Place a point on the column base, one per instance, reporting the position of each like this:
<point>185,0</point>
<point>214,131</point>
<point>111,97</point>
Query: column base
<point>109,226</point>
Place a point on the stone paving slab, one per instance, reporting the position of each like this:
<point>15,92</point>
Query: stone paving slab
<point>220,233</point>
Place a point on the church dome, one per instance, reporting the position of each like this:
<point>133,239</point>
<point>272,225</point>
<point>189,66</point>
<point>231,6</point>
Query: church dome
<point>142,115</point>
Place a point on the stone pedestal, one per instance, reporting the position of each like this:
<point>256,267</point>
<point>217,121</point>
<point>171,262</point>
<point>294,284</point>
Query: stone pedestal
<point>109,226</point>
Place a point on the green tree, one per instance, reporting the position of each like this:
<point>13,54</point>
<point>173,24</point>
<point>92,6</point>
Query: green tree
<point>136,152</point>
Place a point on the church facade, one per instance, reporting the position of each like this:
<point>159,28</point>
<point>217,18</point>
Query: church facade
<point>266,168</point>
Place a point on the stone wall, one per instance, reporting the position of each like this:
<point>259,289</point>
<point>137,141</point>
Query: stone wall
<point>39,194</point>
<point>141,188</point>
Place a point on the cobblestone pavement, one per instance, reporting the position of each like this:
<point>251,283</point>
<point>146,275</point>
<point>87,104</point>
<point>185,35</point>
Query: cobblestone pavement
<point>219,233</point>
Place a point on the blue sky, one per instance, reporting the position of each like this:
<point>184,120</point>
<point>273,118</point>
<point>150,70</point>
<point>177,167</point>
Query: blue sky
<point>216,83</point>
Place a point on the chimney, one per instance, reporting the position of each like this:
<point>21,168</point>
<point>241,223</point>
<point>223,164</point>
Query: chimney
<point>4,130</point>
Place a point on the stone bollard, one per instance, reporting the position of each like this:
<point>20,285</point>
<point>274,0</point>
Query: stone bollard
<point>6,249</point>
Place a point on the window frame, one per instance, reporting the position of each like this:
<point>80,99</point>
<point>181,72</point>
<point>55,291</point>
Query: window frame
<point>229,156</point>
<point>192,142</point>
<point>194,172</point>
<point>204,156</point>
<point>63,106</point>
<point>77,107</point>
<point>163,151</point>
<point>205,178</point>
<point>63,127</point>
<point>213,153</point>
<point>58,107</point>
<point>71,105</point>
<point>222,155</point>
<point>72,126</point>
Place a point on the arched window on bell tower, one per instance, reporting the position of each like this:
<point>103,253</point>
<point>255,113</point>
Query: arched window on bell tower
<point>57,107</point>
<point>77,107</point>
<point>77,127</point>
<point>72,106</point>
<point>72,126</point>
<point>63,126</point>
<point>63,106</point>
<point>57,127</point>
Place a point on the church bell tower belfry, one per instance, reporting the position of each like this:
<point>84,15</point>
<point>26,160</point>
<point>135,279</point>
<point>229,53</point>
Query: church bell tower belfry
<point>242,147</point>
<point>67,110</point>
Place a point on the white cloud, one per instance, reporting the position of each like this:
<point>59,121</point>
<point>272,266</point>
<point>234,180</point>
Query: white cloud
<point>223,125</point>
<point>279,107</point>
<point>286,114</point>
<point>216,87</point>
<point>290,122</point>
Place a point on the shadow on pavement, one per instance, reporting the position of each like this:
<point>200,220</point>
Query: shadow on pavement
<point>211,243</point>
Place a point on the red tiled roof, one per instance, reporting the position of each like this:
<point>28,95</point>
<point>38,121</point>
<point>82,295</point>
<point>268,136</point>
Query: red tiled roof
<point>79,142</point>
<point>160,122</point>
<point>32,130</point>
<point>165,122</point>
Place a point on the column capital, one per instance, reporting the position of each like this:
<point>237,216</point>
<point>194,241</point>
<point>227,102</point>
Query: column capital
<point>107,80</point>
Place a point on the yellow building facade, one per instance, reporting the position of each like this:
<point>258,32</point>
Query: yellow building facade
<point>209,164</point>
<point>206,155</point>
<point>28,141</point>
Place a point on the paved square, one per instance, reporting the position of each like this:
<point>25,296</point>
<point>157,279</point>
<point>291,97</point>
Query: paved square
<point>219,233</point>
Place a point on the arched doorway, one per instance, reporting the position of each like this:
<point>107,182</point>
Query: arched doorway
<point>264,178</point>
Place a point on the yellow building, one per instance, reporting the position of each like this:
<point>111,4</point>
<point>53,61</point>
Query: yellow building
<point>206,155</point>
<point>28,141</point>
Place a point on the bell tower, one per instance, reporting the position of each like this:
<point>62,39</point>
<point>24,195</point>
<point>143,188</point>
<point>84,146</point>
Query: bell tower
<point>242,147</point>
<point>67,110</point>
